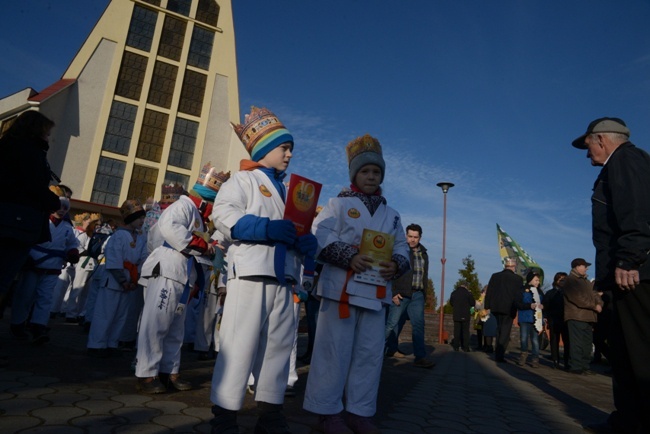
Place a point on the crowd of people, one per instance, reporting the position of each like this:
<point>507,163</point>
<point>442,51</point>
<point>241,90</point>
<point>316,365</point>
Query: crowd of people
<point>222,265</point>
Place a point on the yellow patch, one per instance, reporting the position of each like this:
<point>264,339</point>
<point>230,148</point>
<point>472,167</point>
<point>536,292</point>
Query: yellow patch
<point>354,213</point>
<point>197,224</point>
<point>303,196</point>
<point>265,191</point>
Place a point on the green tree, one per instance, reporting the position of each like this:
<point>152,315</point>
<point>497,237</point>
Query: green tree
<point>430,301</point>
<point>469,275</point>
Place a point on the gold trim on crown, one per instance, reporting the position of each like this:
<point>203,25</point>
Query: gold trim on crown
<point>258,123</point>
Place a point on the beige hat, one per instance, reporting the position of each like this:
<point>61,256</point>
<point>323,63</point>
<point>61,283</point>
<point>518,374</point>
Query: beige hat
<point>602,125</point>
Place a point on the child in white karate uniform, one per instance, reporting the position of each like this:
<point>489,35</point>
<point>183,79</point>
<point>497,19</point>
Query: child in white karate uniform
<point>125,252</point>
<point>349,343</point>
<point>264,260</point>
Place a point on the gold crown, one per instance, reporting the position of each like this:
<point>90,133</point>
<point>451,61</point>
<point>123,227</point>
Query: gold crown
<point>210,178</point>
<point>130,206</point>
<point>362,144</point>
<point>95,216</point>
<point>57,190</point>
<point>80,218</point>
<point>171,193</point>
<point>260,121</point>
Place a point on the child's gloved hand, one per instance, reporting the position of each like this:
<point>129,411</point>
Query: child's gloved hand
<point>307,245</point>
<point>283,231</point>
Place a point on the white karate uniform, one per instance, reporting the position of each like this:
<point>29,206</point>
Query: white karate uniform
<point>75,299</point>
<point>162,325</point>
<point>348,352</point>
<point>257,327</point>
<point>36,286</point>
<point>111,309</point>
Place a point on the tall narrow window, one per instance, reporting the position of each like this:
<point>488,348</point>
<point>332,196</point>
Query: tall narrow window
<point>177,178</point>
<point>108,181</point>
<point>143,183</point>
<point>208,12</point>
<point>180,6</point>
<point>171,40</point>
<point>152,135</point>
<point>201,48</point>
<point>162,84</point>
<point>181,153</point>
<point>131,76</point>
<point>141,29</point>
<point>119,129</point>
<point>192,93</point>
<point>152,2</point>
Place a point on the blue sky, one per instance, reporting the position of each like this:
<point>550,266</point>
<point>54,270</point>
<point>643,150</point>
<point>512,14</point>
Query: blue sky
<point>487,95</point>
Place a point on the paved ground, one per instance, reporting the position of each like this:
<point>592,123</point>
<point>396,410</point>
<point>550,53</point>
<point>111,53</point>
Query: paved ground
<point>56,388</point>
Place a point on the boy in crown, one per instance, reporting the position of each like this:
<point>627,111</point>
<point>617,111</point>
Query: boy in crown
<point>349,343</point>
<point>264,260</point>
<point>177,268</point>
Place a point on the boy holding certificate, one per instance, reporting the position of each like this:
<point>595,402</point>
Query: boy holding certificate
<point>264,261</point>
<point>352,229</point>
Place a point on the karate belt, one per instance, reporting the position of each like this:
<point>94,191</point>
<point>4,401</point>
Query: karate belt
<point>187,290</point>
<point>344,302</point>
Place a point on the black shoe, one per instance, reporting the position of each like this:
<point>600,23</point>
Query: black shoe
<point>206,355</point>
<point>556,365</point>
<point>467,350</point>
<point>588,372</point>
<point>271,420</point>
<point>224,421</point>
<point>150,385</point>
<point>174,380</point>
<point>98,353</point>
<point>290,392</point>
<point>501,360</point>
<point>39,334</point>
<point>74,320</point>
<point>600,428</point>
<point>127,346</point>
<point>18,331</point>
<point>489,349</point>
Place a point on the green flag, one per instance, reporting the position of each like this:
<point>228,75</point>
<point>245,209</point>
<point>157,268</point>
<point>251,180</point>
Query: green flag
<point>508,248</point>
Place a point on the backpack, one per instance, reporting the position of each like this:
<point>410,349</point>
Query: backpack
<point>95,244</point>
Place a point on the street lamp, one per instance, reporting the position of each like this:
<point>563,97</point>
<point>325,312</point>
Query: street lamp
<point>445,186</point>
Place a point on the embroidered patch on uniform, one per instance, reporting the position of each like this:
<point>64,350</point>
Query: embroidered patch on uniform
<point>354,213</point>
<point>163,299</point>
<point>265,191</point>
<point>196,224</point>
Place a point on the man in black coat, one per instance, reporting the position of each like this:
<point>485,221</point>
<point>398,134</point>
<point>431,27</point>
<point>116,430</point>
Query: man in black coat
<point>621,234</point>
<point>462,301</point>
<point>502,291</point>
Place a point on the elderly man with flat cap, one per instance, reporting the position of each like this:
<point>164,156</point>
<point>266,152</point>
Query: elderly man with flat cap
<point>502,291</point>
<point>621,235</point>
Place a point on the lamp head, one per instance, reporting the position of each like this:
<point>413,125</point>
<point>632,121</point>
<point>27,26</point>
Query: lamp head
<point>445,186</point>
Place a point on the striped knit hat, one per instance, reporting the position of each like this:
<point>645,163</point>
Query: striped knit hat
<point>262,132</point>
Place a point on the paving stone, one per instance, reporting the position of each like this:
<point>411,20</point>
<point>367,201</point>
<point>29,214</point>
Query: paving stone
<point>4,395</point>
<point>60,399</point>
<point>99,406</point>
<point>167,407</point>
<point>7,385</point>
<point>54,429</point>
<point>137,415</point>
<point>21,406</point>
<point>203,413</point>
<point>99,422</point>
<point>132,400</point>
<point>177,421</point>
<point>30,392</point>
<point>40,381</point>
<point>140,428</point>
<point>11,424</point>
<point>98,393</point>
<point>57,415</point>
<point>13,375</point>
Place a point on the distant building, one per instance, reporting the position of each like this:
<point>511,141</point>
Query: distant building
<point>148,98</point>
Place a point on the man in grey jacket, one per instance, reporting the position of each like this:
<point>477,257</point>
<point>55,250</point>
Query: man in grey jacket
<point>408,299</point>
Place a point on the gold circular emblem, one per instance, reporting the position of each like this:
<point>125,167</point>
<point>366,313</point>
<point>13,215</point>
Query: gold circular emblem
<point>303,196</point>
<point>354,213</point>
<point>265,191</point>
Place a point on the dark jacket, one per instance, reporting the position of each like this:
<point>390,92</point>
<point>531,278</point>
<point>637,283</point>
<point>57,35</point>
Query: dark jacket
<point>621,215</point>
<point>27,201</point>
<point>580,299</point>
<point>524,311</point>
<point>462,301</point>
<point>554,304</point>
<point>404,285</point>
<point>502,292</point>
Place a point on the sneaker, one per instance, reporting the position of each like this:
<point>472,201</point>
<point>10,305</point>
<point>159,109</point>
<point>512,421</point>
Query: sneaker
<point>399,355</point>
<point>334,424</point>
<point>362,425</point>
<point>290,392</point>
<point>39,334</point>
<point>150,385</point>
<point>174,380</point>
<point>423,362</point>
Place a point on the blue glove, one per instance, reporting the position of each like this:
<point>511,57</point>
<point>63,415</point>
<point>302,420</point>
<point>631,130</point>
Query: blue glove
<point>283,231</point>
<point>307,245</point>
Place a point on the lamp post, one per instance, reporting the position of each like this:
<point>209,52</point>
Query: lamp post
<point>445,186</point>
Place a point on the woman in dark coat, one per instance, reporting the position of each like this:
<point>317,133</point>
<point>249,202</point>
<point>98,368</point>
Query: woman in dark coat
<point>27,203</point>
